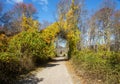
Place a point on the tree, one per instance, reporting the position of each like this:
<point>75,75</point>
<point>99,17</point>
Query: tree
<point>21,8</point>
<point>45,24</point>
<point>62,8</point>
<point>102,24</point>
<point>29,24</point>
<point>12,19</point>
<point>117,30</point>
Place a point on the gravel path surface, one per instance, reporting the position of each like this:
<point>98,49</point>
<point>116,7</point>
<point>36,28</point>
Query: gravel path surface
<point>55,73</point>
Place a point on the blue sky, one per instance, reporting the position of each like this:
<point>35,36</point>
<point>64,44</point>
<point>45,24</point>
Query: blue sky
<point>47,8</point>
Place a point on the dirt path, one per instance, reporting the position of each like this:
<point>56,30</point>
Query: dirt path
<point>54,73</point>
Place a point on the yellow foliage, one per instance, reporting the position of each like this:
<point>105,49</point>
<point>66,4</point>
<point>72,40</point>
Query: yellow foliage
<point>3,42</point>
<point>2,37</point>
<point>50,33</point>
<point>29,23</point>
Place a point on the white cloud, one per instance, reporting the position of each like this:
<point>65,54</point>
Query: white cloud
<point>14,1</point>
<point>43,4</point>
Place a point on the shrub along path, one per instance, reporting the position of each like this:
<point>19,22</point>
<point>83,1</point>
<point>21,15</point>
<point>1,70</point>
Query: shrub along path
<point>55,72</point>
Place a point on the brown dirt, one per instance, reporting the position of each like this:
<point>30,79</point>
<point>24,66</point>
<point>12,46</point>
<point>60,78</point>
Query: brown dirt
<point>77,79</point>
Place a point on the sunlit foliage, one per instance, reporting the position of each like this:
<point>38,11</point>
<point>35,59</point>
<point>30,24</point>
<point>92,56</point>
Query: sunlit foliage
<point>3,42</point>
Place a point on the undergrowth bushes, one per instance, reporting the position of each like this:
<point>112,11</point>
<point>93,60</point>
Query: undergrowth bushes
<point>3,42</point>
<point>9,67</point>
<point>31,47</point>
<point>25,51</point>
<point>103,67</point>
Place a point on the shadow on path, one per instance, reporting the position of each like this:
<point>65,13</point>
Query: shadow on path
<point>51,65</point>
<point>54,61</point>
<point>58,59</point>
<point>30,80</point>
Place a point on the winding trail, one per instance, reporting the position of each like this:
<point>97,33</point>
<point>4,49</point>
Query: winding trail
<point>55,72</point>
